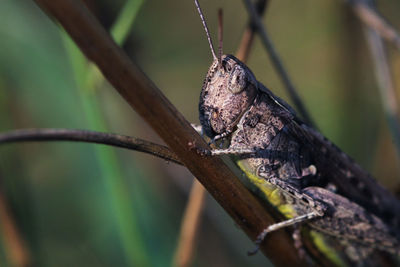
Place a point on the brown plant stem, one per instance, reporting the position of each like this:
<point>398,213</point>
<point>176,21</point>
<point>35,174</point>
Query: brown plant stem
<point>26,135</point>
<point>369,16</point>
<point>373,32</point>
<point>191,219</point>
<point>190,226</point>
<point>248,36</point>
<point>17,251</point>
<point>170,125</point>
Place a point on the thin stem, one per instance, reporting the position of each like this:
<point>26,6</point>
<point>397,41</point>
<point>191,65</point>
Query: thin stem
<point>128,142</point>
<point>17,250</point>
<point>277,62</point>
<point>191,219</point>
<point>144,97</point>
<point>124,22</point>
<point>382,71</point>
<point>122,207</point>
<point>248,36</point>
<point>190,226</point>
<point>385,84</point>
<point>369,16</point>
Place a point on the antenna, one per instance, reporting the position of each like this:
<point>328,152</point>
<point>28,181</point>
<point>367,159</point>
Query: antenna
<point>206,29</point>
<point>220,34</point>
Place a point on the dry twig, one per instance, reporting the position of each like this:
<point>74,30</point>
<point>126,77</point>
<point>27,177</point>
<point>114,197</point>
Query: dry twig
<point>375,27</point>
<point>191,218</point>
<point>25,135</point>
<point>190,225</point>
<point>248,36</point>
<point>17,251</point>
<point>373,20</point>
<point>152,105</point>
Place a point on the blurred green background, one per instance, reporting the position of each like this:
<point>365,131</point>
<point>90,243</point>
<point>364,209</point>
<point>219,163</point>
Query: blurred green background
<point>77,204</point>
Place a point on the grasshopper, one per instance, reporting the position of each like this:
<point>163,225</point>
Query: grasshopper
<point>299,171</point>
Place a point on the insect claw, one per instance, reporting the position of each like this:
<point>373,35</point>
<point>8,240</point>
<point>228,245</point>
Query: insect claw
<point>205,152</point>
<point>212,142</point>
<point>254,251</point>
<point>200,151</point>
<point>259,240</point>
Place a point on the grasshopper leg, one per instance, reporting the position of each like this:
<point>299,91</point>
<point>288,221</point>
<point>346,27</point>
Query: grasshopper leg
<point>298,243</point>
<point>233,151</point>
<point>277,226</point>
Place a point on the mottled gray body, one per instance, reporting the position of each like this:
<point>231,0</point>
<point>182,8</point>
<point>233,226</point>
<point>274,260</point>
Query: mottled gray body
<point>312,174</point>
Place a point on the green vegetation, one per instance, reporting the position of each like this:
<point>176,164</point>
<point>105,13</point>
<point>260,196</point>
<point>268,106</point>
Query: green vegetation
<point>80,204</point>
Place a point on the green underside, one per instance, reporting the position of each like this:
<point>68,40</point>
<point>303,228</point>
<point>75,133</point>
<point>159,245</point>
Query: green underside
<point>272,194</point>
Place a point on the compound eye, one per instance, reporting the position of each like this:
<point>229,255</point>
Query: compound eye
<point>237,80</point>
<point>228,67</point>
